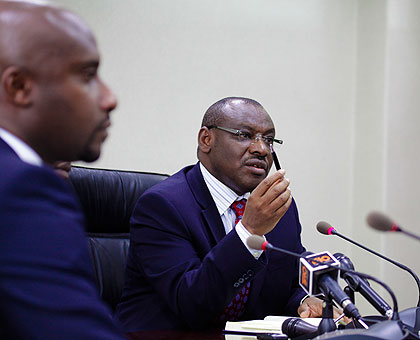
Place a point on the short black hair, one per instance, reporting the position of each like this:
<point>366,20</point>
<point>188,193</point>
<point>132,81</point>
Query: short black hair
<point>214,115</point>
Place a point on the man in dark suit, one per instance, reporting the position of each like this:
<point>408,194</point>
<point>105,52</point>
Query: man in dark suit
<point>53,106</point>
<point>189,265</point>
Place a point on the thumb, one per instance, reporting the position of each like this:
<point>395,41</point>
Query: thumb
<point>304,313</point>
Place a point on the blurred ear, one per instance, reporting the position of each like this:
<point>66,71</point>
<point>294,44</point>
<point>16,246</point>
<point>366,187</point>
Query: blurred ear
<point>205,139</point>
<point>17,86</point>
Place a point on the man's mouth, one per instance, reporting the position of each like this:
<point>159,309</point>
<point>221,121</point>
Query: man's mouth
<point>258,166</point>
<point>102,129</point>
<point>106,124</point>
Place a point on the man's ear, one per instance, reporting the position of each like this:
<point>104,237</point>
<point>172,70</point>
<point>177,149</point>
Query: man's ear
<point>17,86</point>
<point>205,139</point>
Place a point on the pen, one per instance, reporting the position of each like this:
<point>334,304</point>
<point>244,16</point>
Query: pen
<point>339,320</point>
<point>275,159</point>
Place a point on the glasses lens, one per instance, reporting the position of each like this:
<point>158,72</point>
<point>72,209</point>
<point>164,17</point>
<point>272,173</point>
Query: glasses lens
<point>268,140</point>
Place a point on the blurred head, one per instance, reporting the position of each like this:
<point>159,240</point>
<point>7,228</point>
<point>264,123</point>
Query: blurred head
<point>51,95</point>
<point>240,163</point>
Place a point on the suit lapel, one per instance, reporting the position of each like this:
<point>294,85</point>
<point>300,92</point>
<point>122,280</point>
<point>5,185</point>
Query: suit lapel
<point>215,226</point>
<point>203,197</point>
<point>6,148</point>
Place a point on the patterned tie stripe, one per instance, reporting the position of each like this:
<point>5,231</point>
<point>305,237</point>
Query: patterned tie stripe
<point>239,208</point>
<point>235,309</point>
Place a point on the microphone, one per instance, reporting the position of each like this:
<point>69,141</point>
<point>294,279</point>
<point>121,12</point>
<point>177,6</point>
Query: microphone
<point>358,284</point>
<point>327,229</point>
<point>257,242</point>
<point>318,273</point>
<point>294,327</point>
<point>260,243</point>
<point>381,222</point>
<point>312,266</point>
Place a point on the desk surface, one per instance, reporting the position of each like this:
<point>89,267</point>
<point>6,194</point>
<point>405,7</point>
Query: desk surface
<point>176,335</point>
<point>186,335</point>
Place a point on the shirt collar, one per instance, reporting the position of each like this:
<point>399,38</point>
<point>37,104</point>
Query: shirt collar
<point>23,150</point>
<point>222,195</point>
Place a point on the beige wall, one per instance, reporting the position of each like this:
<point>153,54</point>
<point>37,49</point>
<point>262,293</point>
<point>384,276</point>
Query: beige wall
<point>402,131</point>
<point>339,77</point>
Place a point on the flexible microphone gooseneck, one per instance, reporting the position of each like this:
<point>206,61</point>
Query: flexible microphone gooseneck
<point>322,282</point>
<point>259,243</point>
<point>327,229</point>
<point>381,222</point>
<point>358,284</point>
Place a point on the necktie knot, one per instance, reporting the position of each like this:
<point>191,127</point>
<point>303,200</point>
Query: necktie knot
<point>239,208</point>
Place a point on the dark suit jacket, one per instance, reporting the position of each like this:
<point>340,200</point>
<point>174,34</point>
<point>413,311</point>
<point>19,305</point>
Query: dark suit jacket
<point>183,269</point>
<point>46,279</point>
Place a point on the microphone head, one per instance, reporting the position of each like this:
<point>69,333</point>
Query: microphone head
<point>345,262</point>
<point>294,327</point>
<point>325,228</point>
<point>379,221</point>
<point>255,242</point>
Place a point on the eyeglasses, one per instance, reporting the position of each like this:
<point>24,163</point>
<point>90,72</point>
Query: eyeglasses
<point>245,136</point>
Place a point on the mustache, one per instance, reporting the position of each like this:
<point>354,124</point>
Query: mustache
<point>103,124</point>
<point>259,162</point>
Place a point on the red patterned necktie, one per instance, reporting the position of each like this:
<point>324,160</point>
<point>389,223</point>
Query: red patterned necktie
<point>235,309</point>
<point>239,208</point>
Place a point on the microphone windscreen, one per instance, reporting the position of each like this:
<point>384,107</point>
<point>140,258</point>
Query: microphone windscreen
<point>295,327</point>
<point>323,227</point>
<point>255,242</point>
<point>379,221</point>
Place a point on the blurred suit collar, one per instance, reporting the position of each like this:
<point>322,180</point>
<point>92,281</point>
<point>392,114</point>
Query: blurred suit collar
<point>23,150</point>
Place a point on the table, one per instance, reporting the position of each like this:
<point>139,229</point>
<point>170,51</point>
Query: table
<point>177,335</point>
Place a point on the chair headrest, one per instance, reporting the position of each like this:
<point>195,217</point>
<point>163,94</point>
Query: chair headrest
<point>107,197</point>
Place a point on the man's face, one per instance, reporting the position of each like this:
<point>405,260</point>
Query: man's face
<point>241,166</point>
<point>73,103</point>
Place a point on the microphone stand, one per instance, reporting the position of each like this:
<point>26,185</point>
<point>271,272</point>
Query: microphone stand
<point>327,323</point>
<point>350,292</point>
<point>335,232</point>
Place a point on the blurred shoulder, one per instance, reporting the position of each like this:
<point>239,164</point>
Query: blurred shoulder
<point>22,181</point>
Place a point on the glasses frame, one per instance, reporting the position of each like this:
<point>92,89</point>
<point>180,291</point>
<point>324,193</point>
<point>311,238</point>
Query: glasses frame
<point>237,132</point>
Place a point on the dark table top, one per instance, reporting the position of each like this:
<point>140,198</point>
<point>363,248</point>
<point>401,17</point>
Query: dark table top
<point>186,335</point>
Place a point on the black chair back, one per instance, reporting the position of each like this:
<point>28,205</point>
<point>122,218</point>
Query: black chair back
<point>107,198</point>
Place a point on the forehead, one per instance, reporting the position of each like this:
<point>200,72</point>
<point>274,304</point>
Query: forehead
<point>47,41</point>
<point>72,38</point>
<point>30,31</point>
<point>240,114</point>
<point>71,29</point>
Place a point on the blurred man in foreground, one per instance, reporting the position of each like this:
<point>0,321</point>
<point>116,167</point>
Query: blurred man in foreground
<point>53,107</point>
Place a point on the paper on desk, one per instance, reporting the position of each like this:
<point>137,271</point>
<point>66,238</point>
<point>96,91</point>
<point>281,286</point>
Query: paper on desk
<point>281,319</point>
<point>254,326</point>
<point>240,337</point>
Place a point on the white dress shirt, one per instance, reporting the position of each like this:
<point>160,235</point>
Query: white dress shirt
<point>23,150</point>
<point>223,196</point>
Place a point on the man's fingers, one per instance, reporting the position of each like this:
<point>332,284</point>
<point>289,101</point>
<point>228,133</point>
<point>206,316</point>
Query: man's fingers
<point>304,313</point>
<point>279,192</point>
<point>268,182</point>
<point>282,209</point>
<point>281,203</point>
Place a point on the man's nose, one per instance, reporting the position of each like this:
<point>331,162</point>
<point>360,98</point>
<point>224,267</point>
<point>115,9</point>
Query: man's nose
<point>108,100</point>
<point>259,145</point>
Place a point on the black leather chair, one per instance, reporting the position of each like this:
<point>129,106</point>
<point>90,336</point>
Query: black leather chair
<point>107,198</point>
